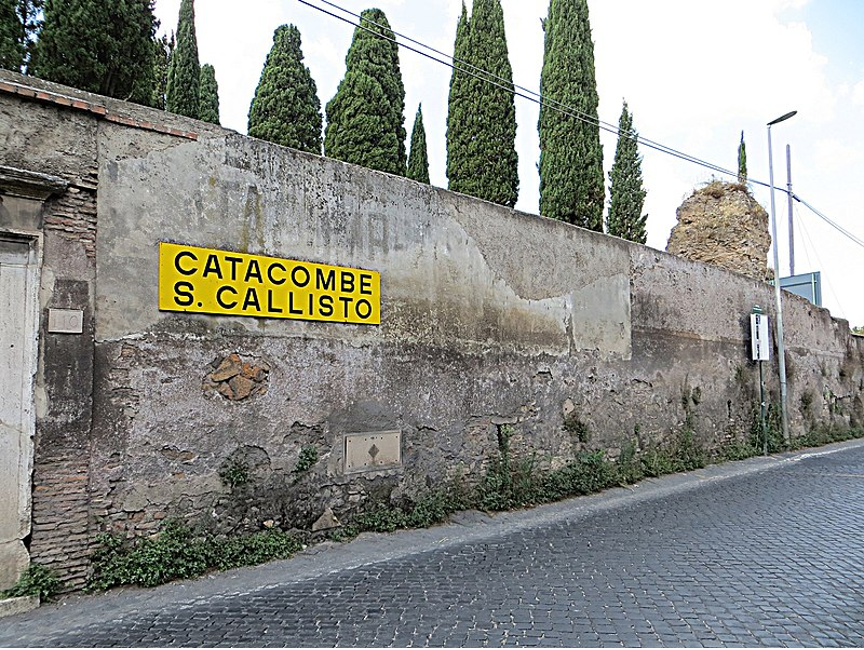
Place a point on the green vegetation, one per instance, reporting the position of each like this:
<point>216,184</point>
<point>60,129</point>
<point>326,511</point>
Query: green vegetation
<point>183,92</point>
<point>36,580</point>
<point>418,159</point>
<point>286,109</point>
<point>208,101</point>
<point>626,193</point>
<point>571,156</point>
<point>308,457</point>
<point>481,114</point>
<point>11,47</point>
<point>577,428</point>
<point>178,552</point>
<point>18,25</point>
<point>742,161</point>
<point>164,48</point>
<point>234,473</point>
<point>102,47</point>
<point>366,117</point>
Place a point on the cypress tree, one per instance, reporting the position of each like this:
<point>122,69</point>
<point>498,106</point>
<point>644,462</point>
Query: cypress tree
<point>742,161</point>
<point>366,117</point>
<point>418,160</point>
<point>18,26</point>
<point>164,48</point>
<point>481,119</point>
<point>11,31</point>
<point>571,157</point>
<point>103,47</point>
<point>286,109</point>
<point>208,102</point>
<point>458,114</point>
<point>626,194</point>
<point>183,91</point>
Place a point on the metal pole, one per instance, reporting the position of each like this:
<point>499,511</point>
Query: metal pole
<point>791,224</point>
<point>762,411</point>
<point>781,352</point>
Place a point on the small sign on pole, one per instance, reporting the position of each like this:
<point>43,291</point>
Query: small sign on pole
<point>760,337</point>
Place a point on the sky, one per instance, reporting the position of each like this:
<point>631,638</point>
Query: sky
<point>694,73</point>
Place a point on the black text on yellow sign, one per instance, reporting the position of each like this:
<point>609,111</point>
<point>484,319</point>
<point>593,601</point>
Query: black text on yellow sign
<point>210,281</point>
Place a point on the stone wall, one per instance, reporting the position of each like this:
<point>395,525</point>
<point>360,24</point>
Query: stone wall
<point>490,318</point>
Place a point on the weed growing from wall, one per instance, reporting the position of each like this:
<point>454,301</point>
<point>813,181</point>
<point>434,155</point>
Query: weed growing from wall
<point>774,424</point>
<point>507,483</point>
<point>234,473</point>
<point>178,552</point>
<point>577,428</point>
<point>36,580</point>
<point>308,458</point>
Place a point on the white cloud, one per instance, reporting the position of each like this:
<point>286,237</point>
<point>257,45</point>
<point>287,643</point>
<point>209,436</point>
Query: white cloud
<point>858,94</point>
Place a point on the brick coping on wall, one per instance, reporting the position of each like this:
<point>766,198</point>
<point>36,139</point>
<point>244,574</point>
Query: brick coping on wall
<point>93,108</point>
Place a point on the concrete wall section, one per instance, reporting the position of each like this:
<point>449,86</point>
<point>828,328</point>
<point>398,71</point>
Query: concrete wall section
<point>450,280</point>
<point>478,305</point>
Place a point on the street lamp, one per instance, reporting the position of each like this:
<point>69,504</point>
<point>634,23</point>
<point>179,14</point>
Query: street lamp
<point>781,354</point>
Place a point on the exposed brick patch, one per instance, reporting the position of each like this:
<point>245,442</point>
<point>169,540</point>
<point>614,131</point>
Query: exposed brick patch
<point>73,213</point>
<point>60,535</point>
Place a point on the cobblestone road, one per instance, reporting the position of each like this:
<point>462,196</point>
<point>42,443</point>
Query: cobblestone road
<point>765,552</point>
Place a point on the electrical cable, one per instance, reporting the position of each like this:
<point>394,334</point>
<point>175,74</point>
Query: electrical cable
<point>537,98</point>
<point>831,223</point>
<point>520,91</point>
<point>819,261</point>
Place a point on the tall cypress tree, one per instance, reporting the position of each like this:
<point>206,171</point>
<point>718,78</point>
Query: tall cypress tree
<point>19,22</point>
<point>11,31</point>
<point>286,109</point>
<point>164,48</point>
<point>366,117</point>
<point>742,161</point>
<point>626,193</point>
<point>418,160</point>
<point>481,119</point>
<point>183,93</point>
<point>459,117</point>
<point>571,157</point>
<point>208,101</point>
<point>102,47</point>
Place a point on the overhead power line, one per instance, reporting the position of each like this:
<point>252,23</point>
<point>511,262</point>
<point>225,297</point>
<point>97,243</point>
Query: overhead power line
<point>831,223</point>
<point>507,85</point>
<point>537,98</point>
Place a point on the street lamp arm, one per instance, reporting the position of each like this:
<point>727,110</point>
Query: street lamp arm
<point>783,118</point>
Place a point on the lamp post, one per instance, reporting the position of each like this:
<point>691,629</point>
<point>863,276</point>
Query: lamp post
<point>781,354</point>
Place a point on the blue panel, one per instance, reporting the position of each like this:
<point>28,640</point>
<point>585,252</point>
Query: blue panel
<point>806,285</point>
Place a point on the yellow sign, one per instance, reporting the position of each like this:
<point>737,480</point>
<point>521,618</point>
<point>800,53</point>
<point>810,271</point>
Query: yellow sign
<point>208,281</point>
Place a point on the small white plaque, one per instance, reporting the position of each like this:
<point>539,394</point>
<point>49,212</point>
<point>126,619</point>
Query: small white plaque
<point>65,321</point>
<point>368,452</point>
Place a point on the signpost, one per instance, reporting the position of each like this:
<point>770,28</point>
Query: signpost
<point>761,351</point>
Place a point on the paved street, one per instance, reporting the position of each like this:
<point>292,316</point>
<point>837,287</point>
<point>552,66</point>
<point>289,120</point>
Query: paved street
<point>762,552</point>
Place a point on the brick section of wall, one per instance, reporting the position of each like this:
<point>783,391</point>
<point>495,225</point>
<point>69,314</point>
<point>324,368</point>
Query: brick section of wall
<point>73,214</point>
<point>61,538</point>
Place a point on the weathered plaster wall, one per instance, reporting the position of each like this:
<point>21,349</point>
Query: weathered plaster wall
<point>489,317</point>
